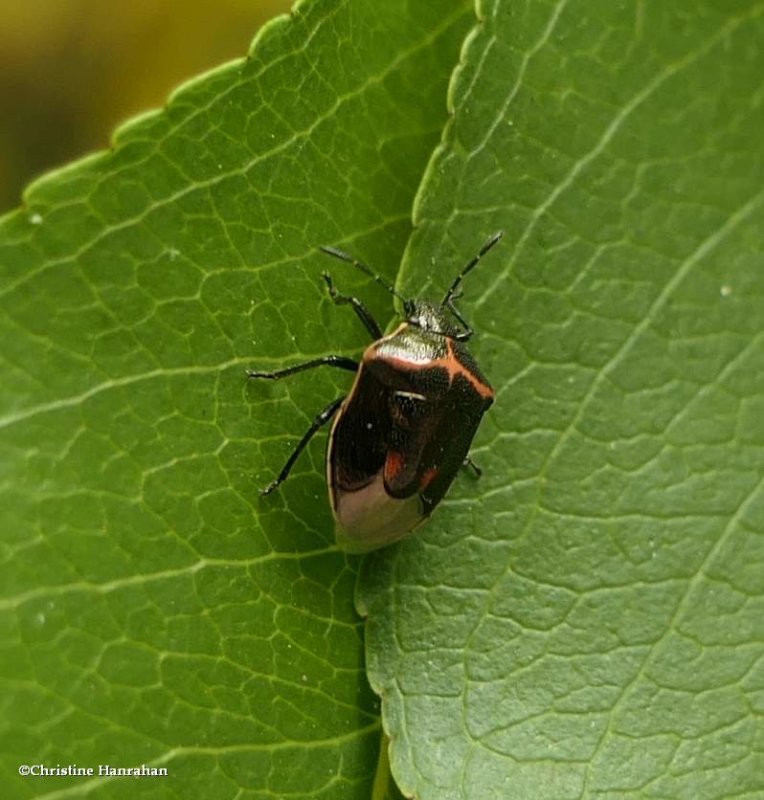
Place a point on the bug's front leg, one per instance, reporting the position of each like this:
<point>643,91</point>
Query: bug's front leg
<point>465,334</point>
<point>360,309</point>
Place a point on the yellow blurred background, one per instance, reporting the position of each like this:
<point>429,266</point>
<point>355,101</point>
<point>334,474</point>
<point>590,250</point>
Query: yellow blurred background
<point>72,70</point>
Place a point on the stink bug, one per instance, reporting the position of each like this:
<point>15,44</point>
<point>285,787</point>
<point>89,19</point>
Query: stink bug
<point>404,430</point>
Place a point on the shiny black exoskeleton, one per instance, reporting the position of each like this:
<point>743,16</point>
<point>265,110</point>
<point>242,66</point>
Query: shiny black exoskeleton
<point>402,433</point>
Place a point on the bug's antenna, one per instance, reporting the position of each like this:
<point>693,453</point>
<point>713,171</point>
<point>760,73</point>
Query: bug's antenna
<point>343,256</point>
<point>471,265</point>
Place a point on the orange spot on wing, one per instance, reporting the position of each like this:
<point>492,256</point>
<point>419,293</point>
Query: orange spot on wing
<point>427,478</point>
<point>394,464</point>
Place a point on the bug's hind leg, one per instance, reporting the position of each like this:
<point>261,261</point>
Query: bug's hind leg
<point>470,464</point>
<point>317,423</point>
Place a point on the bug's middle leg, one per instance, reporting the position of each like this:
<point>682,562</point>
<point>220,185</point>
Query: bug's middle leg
<point>341,362</point>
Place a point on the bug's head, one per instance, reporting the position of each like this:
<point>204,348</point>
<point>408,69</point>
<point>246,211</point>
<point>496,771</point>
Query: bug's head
<point>430,317</point>
<point>441,317</point>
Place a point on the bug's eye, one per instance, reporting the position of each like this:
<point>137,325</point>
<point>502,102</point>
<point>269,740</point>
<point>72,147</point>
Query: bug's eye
<point>407,408</point>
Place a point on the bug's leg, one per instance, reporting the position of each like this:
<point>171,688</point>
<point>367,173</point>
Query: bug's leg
<point>467,332</point>
<point>367,270</point>
<point>341,362</point>
<point>468,462</point>
<point>360,309</point>
<point>317,423</point>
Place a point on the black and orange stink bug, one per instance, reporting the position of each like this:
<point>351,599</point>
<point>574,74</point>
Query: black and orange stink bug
<point>404,430</point>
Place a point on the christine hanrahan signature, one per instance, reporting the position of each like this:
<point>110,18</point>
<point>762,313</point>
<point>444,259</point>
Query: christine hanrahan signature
<point>100,771</point>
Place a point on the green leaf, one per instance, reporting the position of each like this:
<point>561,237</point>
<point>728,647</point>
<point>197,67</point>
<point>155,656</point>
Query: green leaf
<point>155,609</point>
<point>589,622</point>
